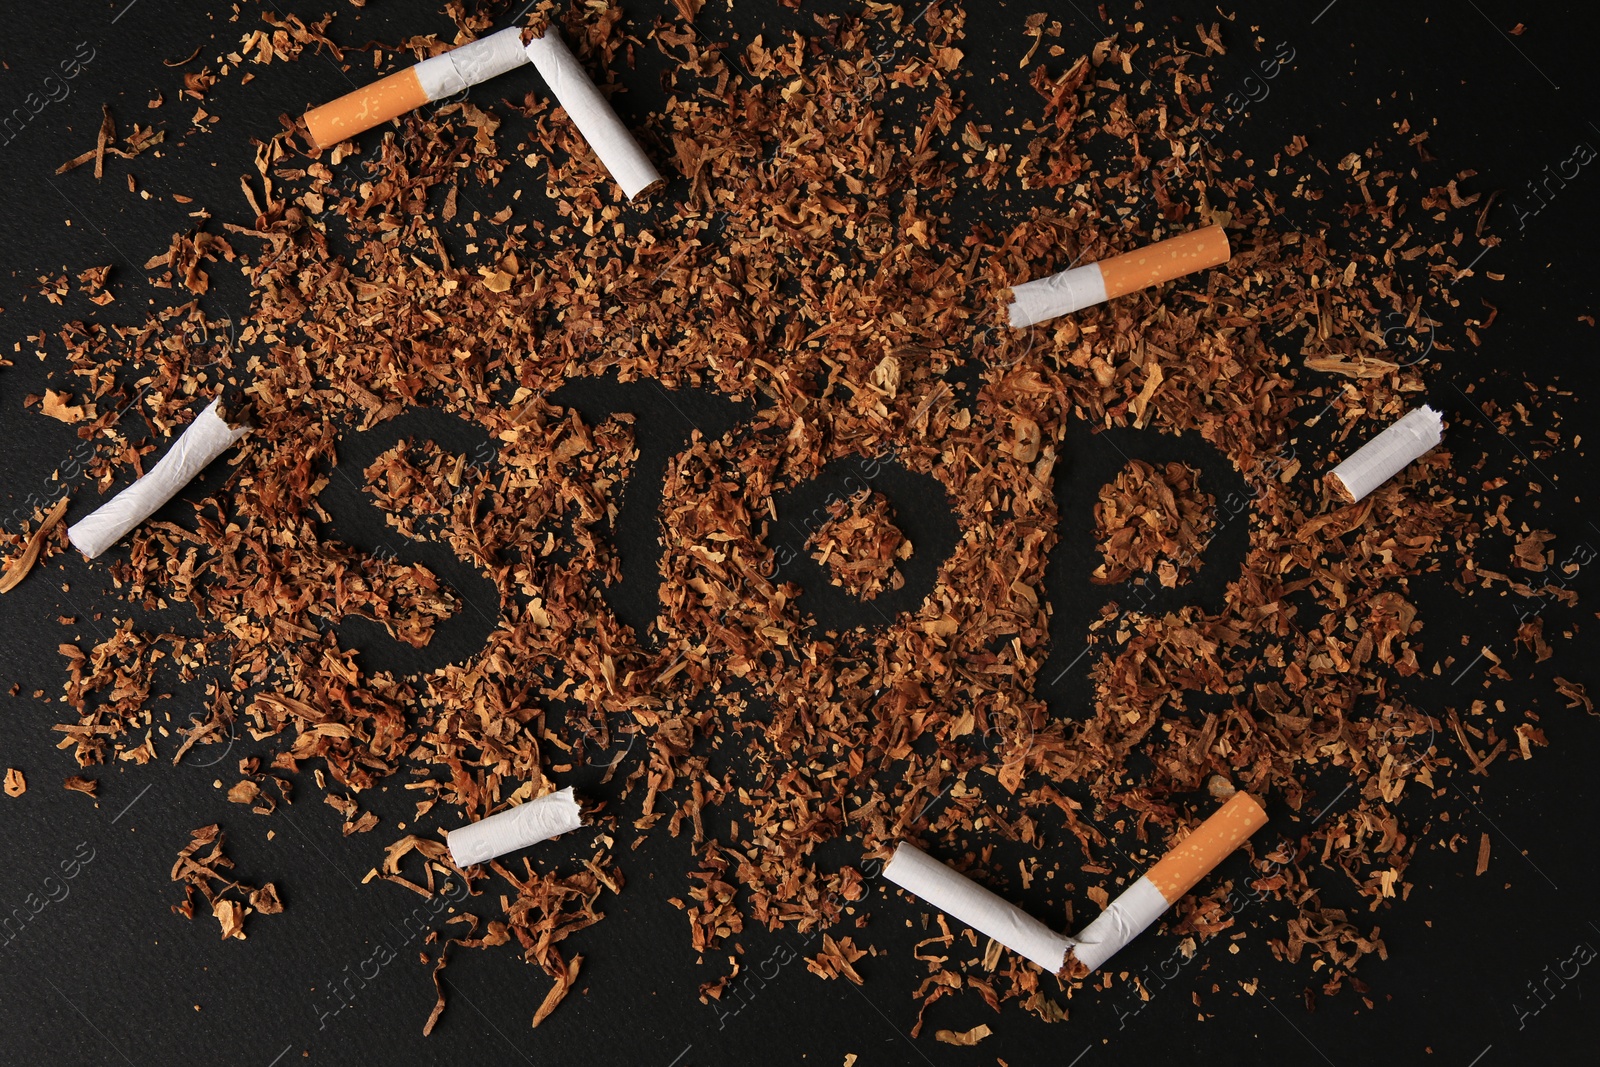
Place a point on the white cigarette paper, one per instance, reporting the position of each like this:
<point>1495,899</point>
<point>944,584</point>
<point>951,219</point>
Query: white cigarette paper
<point>206,438</point>
<point>959,896</point>
<point>1124,919</point>
<point>1390,452</point>
<point>590,112</point>
<point>515,828</point>
<point>1047,298</point>
<point>471,64</point>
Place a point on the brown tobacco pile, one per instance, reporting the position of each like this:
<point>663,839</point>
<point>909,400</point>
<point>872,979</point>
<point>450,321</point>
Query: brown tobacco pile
<point>859,545</point>
<point>230,901</point>
<point>809,255</point>
<point>1152,520</point>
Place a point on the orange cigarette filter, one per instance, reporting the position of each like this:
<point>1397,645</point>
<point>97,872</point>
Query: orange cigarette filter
<point>1164,261</point>
<point>355,113</point>
<point>1212,841</point>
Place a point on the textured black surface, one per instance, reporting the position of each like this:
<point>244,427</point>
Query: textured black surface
<point>104,973</point>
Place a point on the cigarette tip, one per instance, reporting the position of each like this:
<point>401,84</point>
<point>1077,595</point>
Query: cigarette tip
<point>1016,317</point>
<point>1250,800</point>
<point>87,550</point>
<point>1227,246</point>
<point>644,194</point>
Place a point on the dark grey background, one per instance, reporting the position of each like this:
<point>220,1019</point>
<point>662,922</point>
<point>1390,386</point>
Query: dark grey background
<point>109,975</point>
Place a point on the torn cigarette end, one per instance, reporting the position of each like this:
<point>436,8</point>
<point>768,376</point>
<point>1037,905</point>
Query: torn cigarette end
<point>1095,283</point>
<point>1388,454</point>
<point>202,441</point>
<point>515,828</point>
<point>435,78</point>
<point>575,91</point>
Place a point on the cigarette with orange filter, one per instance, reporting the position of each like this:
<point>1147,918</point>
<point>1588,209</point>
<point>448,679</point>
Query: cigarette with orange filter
<point>1094,283</point>
<point>591,113</point>
<point>441,76</point>
<point>1138,906</point>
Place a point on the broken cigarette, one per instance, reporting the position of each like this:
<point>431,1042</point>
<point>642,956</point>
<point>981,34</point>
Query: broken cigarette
<point>435,78</point>
<point>1124,919</point>
<point>515,828</point>
<point>1390,452</point>
<point>957,895</point>
<point>1165,884</point>
<point>202,441</point>
<point>1094,283</point>
<point>590,112</point>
